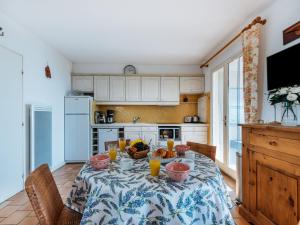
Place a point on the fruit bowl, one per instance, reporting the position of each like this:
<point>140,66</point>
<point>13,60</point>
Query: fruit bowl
<point>181,149</point>
<point>99,162</point>
<point>138,149</point>
<point>177,171</point>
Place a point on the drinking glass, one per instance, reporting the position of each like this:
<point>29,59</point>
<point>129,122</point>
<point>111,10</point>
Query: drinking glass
<point>154,163</point>
<point>170,144</point>
<point>112,152</point>
<point>122,144</point>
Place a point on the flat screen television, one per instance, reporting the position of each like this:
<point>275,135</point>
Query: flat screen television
<point>283,68</point>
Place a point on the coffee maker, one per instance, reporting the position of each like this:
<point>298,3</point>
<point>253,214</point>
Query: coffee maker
<point>100,117</point>
<point>110,116</point>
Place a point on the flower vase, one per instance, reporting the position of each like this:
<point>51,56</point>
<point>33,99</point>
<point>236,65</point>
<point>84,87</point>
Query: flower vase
<point>289,115</point>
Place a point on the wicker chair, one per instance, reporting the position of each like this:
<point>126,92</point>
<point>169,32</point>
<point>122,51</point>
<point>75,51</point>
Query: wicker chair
<point>107,143</point>
<point>46,200</point>
<point>207,150</point>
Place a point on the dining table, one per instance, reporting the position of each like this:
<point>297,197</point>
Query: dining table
<point>117,196</point>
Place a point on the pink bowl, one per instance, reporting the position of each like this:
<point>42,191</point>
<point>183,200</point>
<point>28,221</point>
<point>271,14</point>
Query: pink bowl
<point>177,171</point>
<point>181,149</point>
<point>100,161</point>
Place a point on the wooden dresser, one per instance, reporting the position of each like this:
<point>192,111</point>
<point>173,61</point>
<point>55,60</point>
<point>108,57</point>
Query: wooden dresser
<point>271,174</point>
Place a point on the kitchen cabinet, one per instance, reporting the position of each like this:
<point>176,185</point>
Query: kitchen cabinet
<point>194,133</point>
<point>150,89</point>
<point>170,89</point>
<point>132,133</point>
<point>83,83</point>
<point>117,88</point>
<point>101,88</point>
<point>270,174</point>
<point>150,134</point>
<point>133,89</point>
<point>192,85</point>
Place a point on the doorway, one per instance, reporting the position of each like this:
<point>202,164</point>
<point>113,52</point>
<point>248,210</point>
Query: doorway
<point>11,121</point>
<point>228,112</point>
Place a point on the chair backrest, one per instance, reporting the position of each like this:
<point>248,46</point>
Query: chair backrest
<point>107,143</point>
<point>44,196</point>
<point>207,150</point>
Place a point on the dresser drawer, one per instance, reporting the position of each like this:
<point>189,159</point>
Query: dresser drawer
<point>280,144</point>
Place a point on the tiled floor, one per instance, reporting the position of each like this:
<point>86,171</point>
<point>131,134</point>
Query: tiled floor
<point>17,209</point>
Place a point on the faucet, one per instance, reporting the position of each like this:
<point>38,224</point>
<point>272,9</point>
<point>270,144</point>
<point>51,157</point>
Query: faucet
<point>135,119</point>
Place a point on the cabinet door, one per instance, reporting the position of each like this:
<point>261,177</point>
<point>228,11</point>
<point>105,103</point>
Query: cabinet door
<point>133,89</point>
<point>101,87</point>
<point>199,137</point>
<point>150,136</point>
<point>132,135</point>
<point>82,83</point>
<point>274,190</point>
<point>150,89</point>
<point>170,89</point>
<point>191,85</point>
<point>117,88</point>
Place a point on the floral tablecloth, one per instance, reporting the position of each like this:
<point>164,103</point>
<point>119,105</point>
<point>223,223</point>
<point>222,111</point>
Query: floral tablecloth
<point>114,196</point>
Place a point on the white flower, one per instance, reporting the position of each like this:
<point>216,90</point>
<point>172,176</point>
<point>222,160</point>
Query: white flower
<point>295,90</point>
<point>296,102</point>
<point>283,91</point>
<point>291,97</point>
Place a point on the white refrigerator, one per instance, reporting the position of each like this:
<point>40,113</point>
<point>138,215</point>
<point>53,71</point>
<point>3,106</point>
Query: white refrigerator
<point>77,128</point>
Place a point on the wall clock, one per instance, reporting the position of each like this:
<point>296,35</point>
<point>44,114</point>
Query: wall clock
<point>129,69</point>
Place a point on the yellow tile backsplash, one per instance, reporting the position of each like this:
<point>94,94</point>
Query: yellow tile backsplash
<point>154,114</point>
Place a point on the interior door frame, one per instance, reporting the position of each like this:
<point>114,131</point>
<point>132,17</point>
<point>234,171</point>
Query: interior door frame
<point>23,141</point>
<point>225,65</point>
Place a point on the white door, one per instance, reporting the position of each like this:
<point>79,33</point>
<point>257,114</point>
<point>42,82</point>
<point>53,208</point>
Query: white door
<point>133,89</point>
<point>11,117</point>
<point>77,138</point>
<point>150,89</point>
<point>83,83</point>
<point>228,112</point>
<point>170,89</point>
<point>101,88</point>
<point>150,137</point>
<point>191,85</point>
<point>117,88</point>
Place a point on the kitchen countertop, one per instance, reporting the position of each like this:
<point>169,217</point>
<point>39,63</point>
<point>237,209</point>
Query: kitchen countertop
<point>145,124</point>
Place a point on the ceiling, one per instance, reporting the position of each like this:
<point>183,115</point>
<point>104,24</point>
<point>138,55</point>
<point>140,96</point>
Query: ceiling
<point>132,31</point>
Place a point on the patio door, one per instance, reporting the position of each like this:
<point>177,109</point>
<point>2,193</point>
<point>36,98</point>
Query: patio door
<point>228,112</point>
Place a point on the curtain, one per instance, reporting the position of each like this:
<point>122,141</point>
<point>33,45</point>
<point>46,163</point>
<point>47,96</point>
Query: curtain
<point>250,41</point>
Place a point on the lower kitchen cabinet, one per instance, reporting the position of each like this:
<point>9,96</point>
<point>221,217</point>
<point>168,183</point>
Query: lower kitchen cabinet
<point>150,136</point>
<point>194,133</point>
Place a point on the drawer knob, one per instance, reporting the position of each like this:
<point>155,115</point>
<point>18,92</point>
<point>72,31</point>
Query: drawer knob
<point>273,143</point>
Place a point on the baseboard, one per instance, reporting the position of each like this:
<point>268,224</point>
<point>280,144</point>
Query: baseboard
<point>54,168</point>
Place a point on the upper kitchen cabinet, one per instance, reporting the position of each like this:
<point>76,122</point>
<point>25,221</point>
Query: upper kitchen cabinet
<point>101,88</point>
<point>133,89</point>
<point>83,83</point>
<point>150,89</point>
<point>117,88</point>
<point>170,89</point>
<point>191,85</point>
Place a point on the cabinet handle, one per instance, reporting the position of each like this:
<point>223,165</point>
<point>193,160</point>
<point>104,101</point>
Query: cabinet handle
<point>273,143</point>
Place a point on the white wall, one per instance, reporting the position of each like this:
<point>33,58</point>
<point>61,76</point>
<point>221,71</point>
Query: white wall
<point>37,88</point>
<point>280,15</point>
<point>142,69</point>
